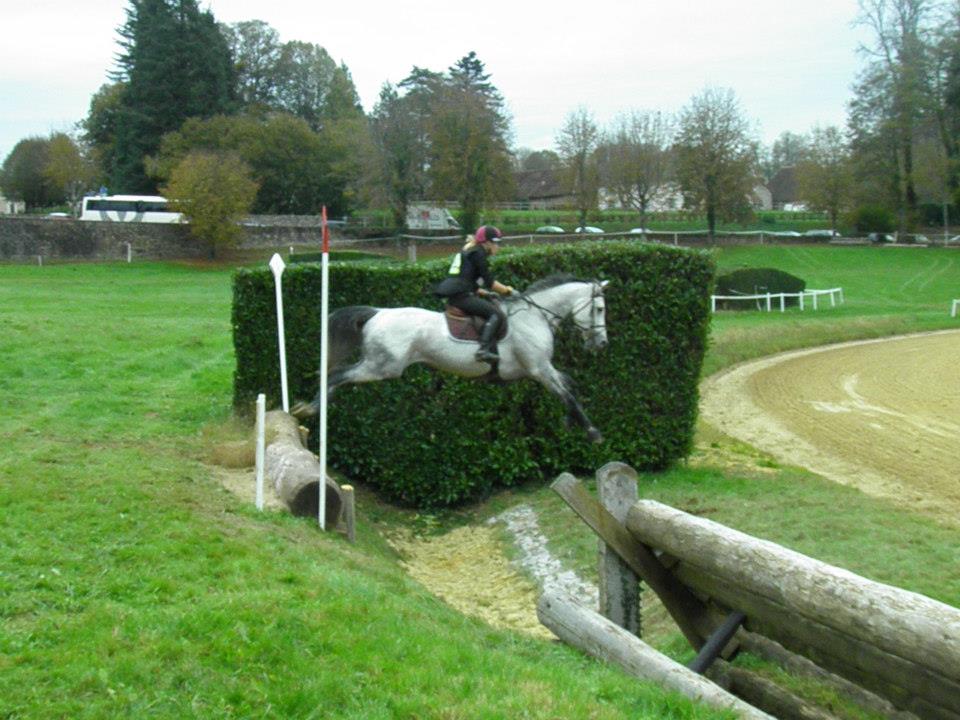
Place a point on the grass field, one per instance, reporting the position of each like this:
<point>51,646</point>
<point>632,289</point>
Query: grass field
<point>133,585</point>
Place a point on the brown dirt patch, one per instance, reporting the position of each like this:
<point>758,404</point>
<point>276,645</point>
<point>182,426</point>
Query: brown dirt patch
<point>880,415</point>
<point>467,569</point>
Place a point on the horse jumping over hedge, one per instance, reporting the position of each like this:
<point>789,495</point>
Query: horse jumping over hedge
<point>391,339</point>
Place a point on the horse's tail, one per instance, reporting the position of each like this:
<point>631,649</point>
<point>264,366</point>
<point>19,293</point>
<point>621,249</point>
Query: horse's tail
<point>346,331</point>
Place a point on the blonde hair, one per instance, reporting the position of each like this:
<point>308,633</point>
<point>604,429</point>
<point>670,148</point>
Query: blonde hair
<point>471,243</point>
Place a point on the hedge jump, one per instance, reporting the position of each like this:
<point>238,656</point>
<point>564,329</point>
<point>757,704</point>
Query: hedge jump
<point>895,651</point>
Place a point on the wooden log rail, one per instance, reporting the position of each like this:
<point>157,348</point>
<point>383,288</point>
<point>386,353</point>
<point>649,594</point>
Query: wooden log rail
<point>899,644</point>
<point>593,633</point>
<point>894,651</point>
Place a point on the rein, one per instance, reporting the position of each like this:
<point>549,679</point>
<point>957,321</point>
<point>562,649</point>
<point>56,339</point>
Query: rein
<point>554,318</point>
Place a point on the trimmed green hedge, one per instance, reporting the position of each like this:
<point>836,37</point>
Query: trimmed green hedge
<point>433,440</point>
<point>756,281</point>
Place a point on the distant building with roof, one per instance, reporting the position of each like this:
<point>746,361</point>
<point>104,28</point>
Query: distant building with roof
<point>784,188</point>
<point>541,189</point>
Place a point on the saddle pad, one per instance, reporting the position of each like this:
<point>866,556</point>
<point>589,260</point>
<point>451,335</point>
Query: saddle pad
<point>463,326</point>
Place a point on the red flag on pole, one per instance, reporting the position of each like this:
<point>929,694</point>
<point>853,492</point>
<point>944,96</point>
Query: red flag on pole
<point>326,230</point>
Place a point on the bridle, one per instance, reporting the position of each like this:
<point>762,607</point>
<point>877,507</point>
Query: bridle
<point>554,319</point>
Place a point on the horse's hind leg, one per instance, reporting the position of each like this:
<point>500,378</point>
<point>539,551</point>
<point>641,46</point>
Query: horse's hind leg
<point>363,371</point>
<point>561,385</point>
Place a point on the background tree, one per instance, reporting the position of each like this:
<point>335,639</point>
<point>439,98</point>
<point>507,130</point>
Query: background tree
<point>445,136</point>
<point>469,156</point>
<point>23,174</point>
<point>175,64</point>
<point>890,98</point>
<point>98,131</point>
<point>305,74</point>
<point>255,47</point>
<point>788,150</point>
<point>577,143</point>
<point>638,159</point>
<point>214,191</point>
<point>399,169</point>
<point>296,169</point>
<point>716,156</point>
<point>824,178</point>
<point>534,160</point>
<point>69,170</point>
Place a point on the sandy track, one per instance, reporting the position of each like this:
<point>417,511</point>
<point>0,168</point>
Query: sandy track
<point>881,415</point>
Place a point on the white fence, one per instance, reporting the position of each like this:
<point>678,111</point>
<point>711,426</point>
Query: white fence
<point>953,308</point>
<point>768,299</point>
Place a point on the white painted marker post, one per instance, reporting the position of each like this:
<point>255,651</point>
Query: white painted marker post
<point>261,432</point>
<point>324,309</point>
<point>277,266</point>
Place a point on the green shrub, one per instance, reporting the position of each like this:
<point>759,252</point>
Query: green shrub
<point>431,439</point>
<point>872,218</point>
<point>755,281</point>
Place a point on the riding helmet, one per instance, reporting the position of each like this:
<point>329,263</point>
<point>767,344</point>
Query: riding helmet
<point>488,233</point>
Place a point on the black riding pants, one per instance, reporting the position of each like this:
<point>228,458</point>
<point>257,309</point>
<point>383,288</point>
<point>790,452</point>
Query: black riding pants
<point>473,305</point>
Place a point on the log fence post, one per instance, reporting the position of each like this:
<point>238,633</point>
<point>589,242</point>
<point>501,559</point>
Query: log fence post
<point>619,585</point>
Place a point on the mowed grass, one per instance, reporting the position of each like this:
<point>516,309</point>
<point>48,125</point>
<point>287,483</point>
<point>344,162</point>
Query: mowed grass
<point>887,291</point>
<point>133,585</point>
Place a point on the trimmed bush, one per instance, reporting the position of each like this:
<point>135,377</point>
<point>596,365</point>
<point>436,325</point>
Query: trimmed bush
<point>756,281</point>
<point>432,440</point>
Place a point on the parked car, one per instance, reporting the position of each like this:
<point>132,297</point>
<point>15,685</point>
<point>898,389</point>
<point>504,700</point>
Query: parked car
<point>59,215</point>
<point>588,229</point>
<point>639,231</point>
<point>550,229</point>
<point>785,233</point>
<point>821,234</point>
<point>880,238</point>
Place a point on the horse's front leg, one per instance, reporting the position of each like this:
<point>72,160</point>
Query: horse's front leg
<point>561,385</point>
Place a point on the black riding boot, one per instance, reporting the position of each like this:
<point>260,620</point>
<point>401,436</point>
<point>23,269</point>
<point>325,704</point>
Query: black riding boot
<point>488,340</point>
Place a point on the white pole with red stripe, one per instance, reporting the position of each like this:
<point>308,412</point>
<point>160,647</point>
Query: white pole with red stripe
<point>324,329</point>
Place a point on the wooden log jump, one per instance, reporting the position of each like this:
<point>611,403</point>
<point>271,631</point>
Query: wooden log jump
<point>590,631</point>
<point>893,650</point>
<point>902,645</point>
<point>295,470</point>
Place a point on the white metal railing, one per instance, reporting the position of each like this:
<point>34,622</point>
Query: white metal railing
<point>768,298</point>
<point>953,307</point>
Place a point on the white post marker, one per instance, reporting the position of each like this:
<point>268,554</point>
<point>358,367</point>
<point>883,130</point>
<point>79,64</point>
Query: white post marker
<point>277,266</point>
<point>324,323</point>
<point>261,431</point>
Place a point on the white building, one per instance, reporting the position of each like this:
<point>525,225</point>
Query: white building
<point>11,207</point>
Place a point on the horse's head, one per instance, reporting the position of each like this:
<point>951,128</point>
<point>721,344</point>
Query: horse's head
<point>590,316</point>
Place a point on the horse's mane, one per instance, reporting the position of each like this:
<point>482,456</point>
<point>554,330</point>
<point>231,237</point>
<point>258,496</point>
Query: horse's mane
<point>551,281</point>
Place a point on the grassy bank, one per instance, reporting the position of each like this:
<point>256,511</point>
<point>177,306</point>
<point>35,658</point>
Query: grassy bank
<point>133,585</point>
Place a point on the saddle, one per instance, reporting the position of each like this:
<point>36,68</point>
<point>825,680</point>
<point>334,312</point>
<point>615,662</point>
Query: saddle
<point>468,327</point>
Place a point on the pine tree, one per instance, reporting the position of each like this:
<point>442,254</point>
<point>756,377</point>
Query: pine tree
<point>175,64</point>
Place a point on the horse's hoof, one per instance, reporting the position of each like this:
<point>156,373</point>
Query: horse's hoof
<point>594,435</point>
<point>302,410</point>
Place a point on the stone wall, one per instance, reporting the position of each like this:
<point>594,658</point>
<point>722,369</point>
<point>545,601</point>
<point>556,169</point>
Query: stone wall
<point>23,239</point>
<point>26,238</point>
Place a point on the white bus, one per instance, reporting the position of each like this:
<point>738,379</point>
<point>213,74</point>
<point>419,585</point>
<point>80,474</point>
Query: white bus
<point>129,208</point>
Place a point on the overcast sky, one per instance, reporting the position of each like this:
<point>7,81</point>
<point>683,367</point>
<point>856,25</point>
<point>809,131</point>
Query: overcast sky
<point>790,63</point>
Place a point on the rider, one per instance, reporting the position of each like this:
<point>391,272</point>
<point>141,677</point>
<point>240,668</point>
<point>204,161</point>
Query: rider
<point>470,278</point>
